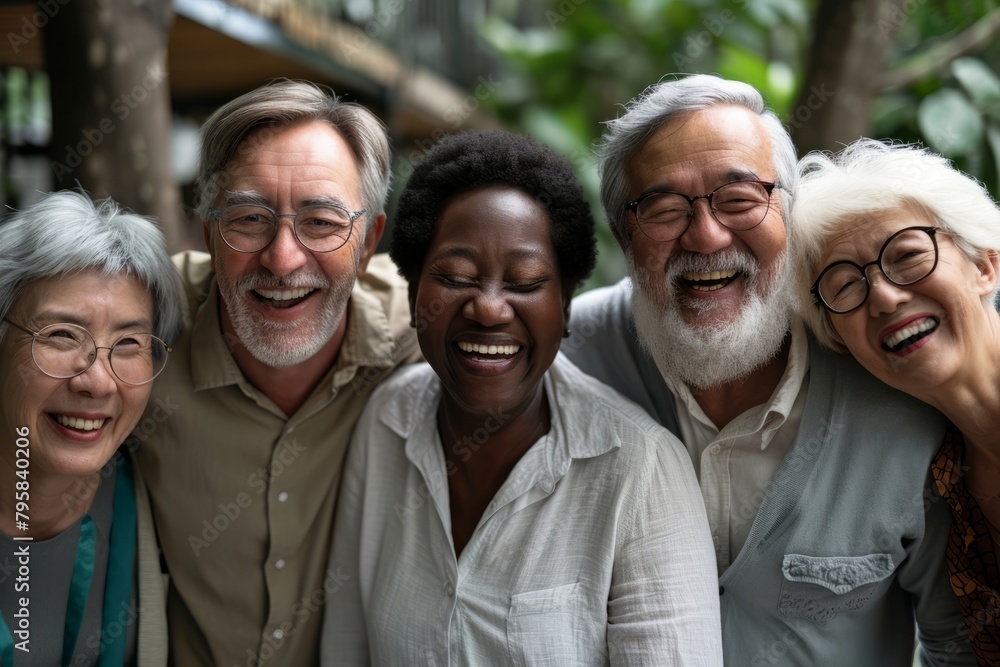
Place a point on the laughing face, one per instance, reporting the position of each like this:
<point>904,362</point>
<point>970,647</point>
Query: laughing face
<point>75,424</point>
<point>919,337</point>
<point>493,301</point>
<point>713,304</point>
<point>284,303</point>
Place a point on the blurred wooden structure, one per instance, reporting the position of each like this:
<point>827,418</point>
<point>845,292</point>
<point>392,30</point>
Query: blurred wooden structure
<point>414,62</point>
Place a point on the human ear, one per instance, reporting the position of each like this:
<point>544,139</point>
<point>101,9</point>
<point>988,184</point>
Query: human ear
<point>372,237</point>
<point>987,265</point>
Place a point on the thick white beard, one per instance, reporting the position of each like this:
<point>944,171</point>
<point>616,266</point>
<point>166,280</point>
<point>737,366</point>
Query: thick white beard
<point>280,345</point>
<point>706,357</point>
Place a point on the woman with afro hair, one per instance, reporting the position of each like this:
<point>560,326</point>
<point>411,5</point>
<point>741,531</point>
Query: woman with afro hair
<point>498,506</point>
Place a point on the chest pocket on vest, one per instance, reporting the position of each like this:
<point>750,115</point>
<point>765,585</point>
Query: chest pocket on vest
<point>818,588</point>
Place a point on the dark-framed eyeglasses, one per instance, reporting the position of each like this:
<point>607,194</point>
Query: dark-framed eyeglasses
<point>906,257</point>
<point>66,350</point>
<point>250,228</point>
<point>739,205</point>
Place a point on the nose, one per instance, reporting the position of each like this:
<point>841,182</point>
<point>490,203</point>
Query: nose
<point>488,307</point>
<point>705,234</point>
<point>883,296</point>
<point>98,380</point>
<point>284,254</point>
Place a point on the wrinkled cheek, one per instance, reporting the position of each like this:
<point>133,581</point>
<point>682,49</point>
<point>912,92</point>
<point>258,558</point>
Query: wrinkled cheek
<point>649,263</point>
<point>17,378</point>
<point>135,404</point>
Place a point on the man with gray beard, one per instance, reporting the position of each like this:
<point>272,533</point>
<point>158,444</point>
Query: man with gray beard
<point>292,323</point>
<point>828,539</point>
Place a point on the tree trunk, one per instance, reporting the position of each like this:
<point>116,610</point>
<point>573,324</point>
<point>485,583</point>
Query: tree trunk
<point>843,76</point>
<point>111,117</point>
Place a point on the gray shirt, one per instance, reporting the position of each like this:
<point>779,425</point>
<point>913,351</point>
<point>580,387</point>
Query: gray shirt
<point>847,548</point>
<point>51,571</point>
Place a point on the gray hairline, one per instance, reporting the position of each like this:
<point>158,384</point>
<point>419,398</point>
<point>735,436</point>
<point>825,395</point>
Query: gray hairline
<point>66,233</point>
<point>666,101</point>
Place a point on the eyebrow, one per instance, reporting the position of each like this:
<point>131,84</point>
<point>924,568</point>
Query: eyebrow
<point>245,198</point>
<point>728,177</point>
<point>67,317</point>
<point>326,200</point>
<point>471,253</point>
<point>254,198</point>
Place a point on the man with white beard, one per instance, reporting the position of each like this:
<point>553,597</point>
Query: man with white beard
<point>814,474</point>
<point>292,323</point>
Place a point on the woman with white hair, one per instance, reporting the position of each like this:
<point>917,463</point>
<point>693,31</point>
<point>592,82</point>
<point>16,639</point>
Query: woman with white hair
<point>899,251</point>
<point>88,304</point>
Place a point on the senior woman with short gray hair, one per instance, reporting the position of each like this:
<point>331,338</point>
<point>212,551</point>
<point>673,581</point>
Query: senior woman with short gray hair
<point>898,253</point>
<point>88,306</point>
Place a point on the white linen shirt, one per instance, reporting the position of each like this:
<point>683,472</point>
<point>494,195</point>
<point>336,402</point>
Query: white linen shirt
<point>594,551</point>
<point>735,465</point>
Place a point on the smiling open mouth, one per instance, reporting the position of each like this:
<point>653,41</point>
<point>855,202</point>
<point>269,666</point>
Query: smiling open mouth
<point>489,350</point>
<point>283,298</point>
<point>903,338</point>
<point>77,423</point>
<point>708,281</point>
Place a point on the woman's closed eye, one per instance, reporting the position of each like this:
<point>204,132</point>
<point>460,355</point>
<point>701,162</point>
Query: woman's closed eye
<point>525,285</point>
<point>452,280</point>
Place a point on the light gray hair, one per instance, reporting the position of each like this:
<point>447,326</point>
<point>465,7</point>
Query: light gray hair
<point>65,233</point>
<point>283,103</point>
<point>663,102</point>
<point>869,177</point>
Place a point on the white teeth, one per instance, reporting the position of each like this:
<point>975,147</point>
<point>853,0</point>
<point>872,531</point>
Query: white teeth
<point>80,424</point>
<point>476,348</point>
<point>710,275</point>
<point>707,288</point>
<point>284,294</point>
<point>897,337</point>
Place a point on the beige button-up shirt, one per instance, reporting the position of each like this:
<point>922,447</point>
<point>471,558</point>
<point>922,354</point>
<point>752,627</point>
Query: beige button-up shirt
<point>243,494</point>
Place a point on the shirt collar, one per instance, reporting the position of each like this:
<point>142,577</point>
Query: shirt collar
<point>580,428</point>
<point>767,418</point>
<point>368,341</point>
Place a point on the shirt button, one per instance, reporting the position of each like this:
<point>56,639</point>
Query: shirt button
<point>283,496</point>
<point>278,634</point>
<point>279,563</point>
<point>722,590</point>
<point>715,450</point>
<point>450,590</point>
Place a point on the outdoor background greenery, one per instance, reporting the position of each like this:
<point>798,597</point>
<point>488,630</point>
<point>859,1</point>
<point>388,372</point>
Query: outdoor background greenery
<point>582,59</point>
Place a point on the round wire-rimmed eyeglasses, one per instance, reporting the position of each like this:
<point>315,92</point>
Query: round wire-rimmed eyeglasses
<point>251,228</point>
<point>65,350</point>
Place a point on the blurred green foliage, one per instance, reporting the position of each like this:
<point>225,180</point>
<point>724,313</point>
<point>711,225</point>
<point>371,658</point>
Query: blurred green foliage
<point>574,63</point>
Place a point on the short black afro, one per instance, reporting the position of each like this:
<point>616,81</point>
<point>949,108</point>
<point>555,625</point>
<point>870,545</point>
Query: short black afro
<point>470,160</point>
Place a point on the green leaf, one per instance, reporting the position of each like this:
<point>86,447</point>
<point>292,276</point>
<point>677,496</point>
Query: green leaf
<point>978,80</point>
<point>993,136</point>
<point>951,125</point>
<point>740,64</point>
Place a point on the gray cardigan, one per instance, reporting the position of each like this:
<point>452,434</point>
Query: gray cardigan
<point>848,545</point>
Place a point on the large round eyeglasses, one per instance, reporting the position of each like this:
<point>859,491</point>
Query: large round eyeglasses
<point>67,350</point>
<point>740,205</point>
<point>250,228</point>
<point>906,257</point>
